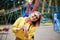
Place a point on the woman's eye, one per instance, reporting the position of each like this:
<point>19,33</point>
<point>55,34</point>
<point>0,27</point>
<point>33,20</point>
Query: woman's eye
<point>34,15</point>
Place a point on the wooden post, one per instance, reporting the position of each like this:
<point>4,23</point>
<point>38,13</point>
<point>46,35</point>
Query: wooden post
<point>56,5</point>
<point>49,6</point>
<point>43,6</point>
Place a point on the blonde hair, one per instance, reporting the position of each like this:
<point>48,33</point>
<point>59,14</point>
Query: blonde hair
<point>36,12</point>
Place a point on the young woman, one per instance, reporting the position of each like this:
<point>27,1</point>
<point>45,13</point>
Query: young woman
<point>25,27</point>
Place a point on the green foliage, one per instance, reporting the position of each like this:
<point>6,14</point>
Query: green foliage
<point>49,15</point>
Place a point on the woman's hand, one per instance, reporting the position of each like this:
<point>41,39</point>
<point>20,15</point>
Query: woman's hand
<point>24,27</point>
<point>21,28</point>
<point>26,30</point>
<point>18,29</point>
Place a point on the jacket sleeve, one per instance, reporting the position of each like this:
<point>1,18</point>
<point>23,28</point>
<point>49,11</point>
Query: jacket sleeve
<point>32,31</point>
<point>16,24</point>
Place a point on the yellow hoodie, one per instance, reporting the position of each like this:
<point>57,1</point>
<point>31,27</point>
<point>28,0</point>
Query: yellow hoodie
<point>21,34</point>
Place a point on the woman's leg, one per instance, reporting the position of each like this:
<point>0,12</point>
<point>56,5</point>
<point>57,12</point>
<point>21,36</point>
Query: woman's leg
<point>17,38</point>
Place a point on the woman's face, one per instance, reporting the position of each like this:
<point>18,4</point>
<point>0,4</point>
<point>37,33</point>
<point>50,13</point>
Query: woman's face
<point>34,16</point>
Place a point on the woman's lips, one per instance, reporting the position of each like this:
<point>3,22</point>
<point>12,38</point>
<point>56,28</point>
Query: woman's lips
<point>33,18</point>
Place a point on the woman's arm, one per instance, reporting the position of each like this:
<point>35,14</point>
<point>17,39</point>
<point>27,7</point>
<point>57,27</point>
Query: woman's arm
<point>32,32</point>
<point>16,24</point>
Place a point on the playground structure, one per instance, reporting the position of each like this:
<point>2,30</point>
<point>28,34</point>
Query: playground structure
<point>8,17</point>
<point>44,6</point>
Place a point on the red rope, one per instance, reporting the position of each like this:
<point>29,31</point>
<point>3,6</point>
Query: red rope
<point>34,8</point>
<point>35,5</point>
